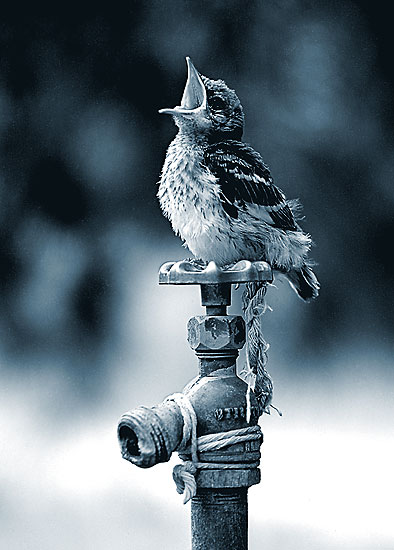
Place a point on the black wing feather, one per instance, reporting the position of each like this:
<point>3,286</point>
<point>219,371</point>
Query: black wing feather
<point>244,178</point>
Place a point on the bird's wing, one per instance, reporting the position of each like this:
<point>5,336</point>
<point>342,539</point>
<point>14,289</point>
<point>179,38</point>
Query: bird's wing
<point>245,180</point>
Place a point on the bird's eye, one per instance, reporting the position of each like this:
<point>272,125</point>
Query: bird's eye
<point>217,103</point>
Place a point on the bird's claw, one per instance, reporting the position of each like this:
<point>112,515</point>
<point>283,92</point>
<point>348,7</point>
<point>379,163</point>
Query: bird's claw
<point>196,262</point>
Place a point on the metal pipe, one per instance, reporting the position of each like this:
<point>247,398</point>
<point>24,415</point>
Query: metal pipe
<point>219,519</point>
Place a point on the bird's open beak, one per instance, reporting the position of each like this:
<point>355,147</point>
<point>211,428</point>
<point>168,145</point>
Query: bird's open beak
<point>194,99</point>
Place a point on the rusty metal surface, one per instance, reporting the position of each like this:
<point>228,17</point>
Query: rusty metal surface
<point>220,519</point>
<point>216,332</point>
<point>227,479</point>
<point>148,436</point>
<point>220,405</point>
<point>191,272</point>
<point>215,297</point>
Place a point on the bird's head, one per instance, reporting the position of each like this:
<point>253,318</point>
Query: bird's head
<point>208,107</point>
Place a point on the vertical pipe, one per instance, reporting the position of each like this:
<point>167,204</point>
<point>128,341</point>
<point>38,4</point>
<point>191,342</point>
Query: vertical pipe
<point>220,519</point>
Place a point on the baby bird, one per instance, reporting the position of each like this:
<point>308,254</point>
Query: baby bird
<point>219,195</point>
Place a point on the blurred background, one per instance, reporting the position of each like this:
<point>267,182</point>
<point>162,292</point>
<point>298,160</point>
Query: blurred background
<point>85,331</point>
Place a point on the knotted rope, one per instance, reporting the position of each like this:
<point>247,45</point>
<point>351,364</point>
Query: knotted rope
<point>184,474</point>
<point>255,373</point>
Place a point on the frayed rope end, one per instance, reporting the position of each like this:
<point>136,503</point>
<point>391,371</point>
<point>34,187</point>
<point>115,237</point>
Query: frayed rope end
<point>183,475</point>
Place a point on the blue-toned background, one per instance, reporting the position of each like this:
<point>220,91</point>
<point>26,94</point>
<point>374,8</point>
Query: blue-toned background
<point>85,331</point>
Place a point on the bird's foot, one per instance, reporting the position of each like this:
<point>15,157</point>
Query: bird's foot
<point>226,267</point>
<point>197,262</point>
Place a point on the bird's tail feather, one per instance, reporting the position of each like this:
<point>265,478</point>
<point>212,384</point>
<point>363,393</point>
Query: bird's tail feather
<point>304,282</point>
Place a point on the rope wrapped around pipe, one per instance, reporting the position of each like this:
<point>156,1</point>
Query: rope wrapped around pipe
<point>184,474</point>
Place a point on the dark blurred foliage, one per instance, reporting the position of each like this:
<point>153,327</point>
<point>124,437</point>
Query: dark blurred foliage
<point>82,146</point>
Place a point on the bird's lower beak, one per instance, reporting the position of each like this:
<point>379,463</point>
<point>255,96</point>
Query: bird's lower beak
<point>194,99</point>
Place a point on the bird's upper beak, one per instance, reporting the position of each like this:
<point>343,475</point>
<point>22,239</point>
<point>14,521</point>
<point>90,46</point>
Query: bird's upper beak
<point>194,99</point>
